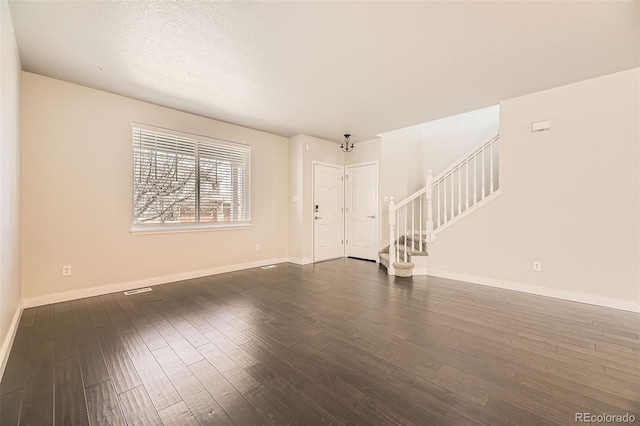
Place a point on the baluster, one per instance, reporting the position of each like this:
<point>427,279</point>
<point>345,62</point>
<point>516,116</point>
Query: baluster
<point>475,179</point>
<point>392,236</point>
<point>491,167</point>
<point>483,173</point>
<point>444,207</point>
<point>453,203</point>
<point>405,232</point>
<point>420,219</point>
<point>439,205</point>
<point>466,183</point>
<point>398,245</point>
<point>413,224</point>
<point>430,208</point>
<point>459,190</point>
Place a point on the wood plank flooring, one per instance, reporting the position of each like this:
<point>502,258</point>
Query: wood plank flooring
<point>335,343</point>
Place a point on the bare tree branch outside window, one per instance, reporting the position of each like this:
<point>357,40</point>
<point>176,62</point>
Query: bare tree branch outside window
<point>178,180</point>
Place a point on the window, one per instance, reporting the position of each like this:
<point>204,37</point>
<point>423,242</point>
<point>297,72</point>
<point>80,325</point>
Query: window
<point>184,181</point>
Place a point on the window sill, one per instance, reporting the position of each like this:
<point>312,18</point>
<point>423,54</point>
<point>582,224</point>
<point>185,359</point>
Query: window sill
<point>179,229</point>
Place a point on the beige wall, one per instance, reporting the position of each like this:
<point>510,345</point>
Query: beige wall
<point>366,152</point>
<point>570,196</point>
<point>437,144</point>
<point>444,141</point>
<point>10,280</point>
<point>304,150</point>
<point>296,199</point>
<point>407,154</point>
<point>77,193</point>
<point>309,150</point>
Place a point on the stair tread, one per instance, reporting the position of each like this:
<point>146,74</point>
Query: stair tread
<point>409,253</point>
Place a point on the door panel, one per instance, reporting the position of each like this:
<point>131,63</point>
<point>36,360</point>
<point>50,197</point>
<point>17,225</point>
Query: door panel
<point>328,194</point>
<point>361,215</point>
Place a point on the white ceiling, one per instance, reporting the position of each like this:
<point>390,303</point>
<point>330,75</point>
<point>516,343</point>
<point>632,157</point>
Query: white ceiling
<point>326,68</point>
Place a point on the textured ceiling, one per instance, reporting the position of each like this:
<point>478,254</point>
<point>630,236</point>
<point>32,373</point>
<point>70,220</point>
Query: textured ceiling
<point>326,68</point>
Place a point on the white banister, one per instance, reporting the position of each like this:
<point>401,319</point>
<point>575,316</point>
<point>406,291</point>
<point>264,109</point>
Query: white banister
<point>420,221</point>
<point>397,256</point>
<point>438,189</point>
<point>445,203</point>
<point>405,235</point>
<point>466,182</point>
<point>430,207</point>
<point>392,236</point>
<point>413,224</point>
<point>452,201</point>
<point>475,180</point>
<point>483,174</point>
<point>459,190</point>
<point>491,167</point>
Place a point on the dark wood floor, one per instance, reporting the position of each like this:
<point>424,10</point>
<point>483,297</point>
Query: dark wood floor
<point>334,343</point>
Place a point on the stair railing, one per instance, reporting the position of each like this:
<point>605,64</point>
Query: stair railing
<point>453,193</point>
<point>464,185</point>
<point>406,218</point>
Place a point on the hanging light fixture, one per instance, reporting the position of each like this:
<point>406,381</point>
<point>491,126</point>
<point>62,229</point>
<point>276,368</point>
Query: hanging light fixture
<point>346,146</point>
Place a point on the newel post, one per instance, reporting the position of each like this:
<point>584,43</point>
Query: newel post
<point>429,191</point>
<point>392,236</point>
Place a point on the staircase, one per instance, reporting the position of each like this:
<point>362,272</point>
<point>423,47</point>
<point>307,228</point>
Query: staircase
<point>466,185</point>
<point>412,252</point>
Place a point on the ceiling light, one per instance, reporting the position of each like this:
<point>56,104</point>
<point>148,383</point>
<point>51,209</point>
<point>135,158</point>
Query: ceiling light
<point>345,146</point>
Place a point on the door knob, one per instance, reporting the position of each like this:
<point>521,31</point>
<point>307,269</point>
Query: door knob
<point>371,217</point>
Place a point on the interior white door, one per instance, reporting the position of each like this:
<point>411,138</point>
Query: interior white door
<point>328,203</point>
<point>361,214</point>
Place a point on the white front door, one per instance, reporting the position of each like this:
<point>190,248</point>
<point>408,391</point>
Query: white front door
<point>328,203</point>
<point>361,214</point>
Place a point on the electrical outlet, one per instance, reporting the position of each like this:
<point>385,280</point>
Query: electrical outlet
<point>257,247</point>
<point>66,270</point>
<point>537,266</point>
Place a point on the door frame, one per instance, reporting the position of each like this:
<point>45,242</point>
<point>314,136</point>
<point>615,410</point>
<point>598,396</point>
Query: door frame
<point>313,198</point>
<point>378,209</point>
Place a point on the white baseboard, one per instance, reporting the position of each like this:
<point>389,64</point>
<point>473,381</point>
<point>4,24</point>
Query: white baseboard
<point>574,296</point>
<point>5,349</point>
<point>300,261</point>
<point>130,285</point>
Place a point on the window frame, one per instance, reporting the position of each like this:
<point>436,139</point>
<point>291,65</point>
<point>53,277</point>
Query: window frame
<point>138,228</point>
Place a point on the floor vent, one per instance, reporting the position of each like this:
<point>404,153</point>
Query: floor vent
<point>136,291</point>
<point>268,267</point>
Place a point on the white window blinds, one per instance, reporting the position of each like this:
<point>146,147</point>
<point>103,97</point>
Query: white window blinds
<point>188,179</point>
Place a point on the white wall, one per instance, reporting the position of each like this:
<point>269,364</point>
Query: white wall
<point>438,144</point>
<point>77,195</point>
<point>570,198</point>
<point>10,279</point>
<point>364,152</point>
<point>399,167</point>
<point>296,199</point>
<point>304,151</point>
<point>407,154</point>
<point>445,141</point>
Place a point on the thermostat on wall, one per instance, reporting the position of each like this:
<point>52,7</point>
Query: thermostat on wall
<point>541,126</point>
